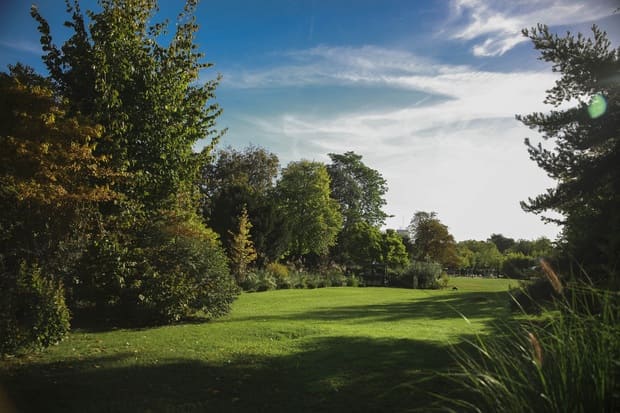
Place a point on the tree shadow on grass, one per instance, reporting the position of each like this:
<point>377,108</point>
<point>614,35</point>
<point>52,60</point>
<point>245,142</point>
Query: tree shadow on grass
<point>339,374</point>
<point>437,307</point>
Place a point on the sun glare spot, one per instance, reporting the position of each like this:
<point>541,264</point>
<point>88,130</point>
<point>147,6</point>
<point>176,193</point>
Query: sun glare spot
<point>597,106</point>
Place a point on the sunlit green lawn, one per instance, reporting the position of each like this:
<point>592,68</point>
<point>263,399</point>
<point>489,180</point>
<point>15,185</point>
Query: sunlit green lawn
<point>330,349</point>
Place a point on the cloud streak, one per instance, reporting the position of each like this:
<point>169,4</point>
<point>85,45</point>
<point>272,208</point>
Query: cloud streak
<point>496,25</point>
<point>323,65</point>
<point>22,46</point>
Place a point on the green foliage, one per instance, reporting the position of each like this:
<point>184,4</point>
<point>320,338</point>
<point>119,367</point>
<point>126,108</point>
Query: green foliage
<point>517,265</point>
<point>281,274</point>
<point>51,185</point>
<point>33,313</point>
<point>465,255</point>
<point>359,244</point>
<point>539,248</point>
<point>431,240</point>
<point>393,251</point>
<point>144,255</point>
<point>501,242</point>
<point>358,189</point>
<point>481,255</point>
<point>585,154</point>
<point>259,280</point>
<point>353,281</point>
<point>237,178</point>
<point>305,201</point>
<point>50,178</point>
<point>180,269</point>
<point>146,95</point>
<point>420,274</point>
<point>335,277</point>
<point>443,280</point>
<point>569,362</point>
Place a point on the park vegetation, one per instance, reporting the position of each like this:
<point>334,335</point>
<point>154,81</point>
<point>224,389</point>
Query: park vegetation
<point>110,215</point>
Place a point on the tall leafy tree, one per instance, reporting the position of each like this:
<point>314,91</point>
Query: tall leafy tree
<point>432,240</point>
<point>584,157</point>
<point>151,255</point>
<point>305,200</point>
<point>360,192</point>
<point>359,189</point>
<point>146,95</point>
<point>501,242</point>
<point>359,244</point>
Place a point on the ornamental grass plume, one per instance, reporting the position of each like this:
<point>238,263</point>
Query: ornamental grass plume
<point>566,358</point>
<point>536,347</point>
<point>551,276</point>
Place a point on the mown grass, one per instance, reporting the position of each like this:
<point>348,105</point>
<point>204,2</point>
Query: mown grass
<point>331,349</point>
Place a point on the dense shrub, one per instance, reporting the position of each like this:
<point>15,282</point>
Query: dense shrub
<point>33,313</point>
<point>518,265</point>
<point>353,281</point>
<point>419,274</point>
<point>279,276</point>
<point>280,273</point>
<point>101,274</point>
<point>259,280</point>
<point>180,269</point>
<point>334,277</point>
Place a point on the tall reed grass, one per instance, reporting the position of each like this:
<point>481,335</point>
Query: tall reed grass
<point>565,360</point>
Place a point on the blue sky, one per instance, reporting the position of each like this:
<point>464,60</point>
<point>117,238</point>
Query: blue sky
<point>425,91</point>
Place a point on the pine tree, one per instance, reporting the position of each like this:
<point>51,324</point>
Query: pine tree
<point>586,152</point>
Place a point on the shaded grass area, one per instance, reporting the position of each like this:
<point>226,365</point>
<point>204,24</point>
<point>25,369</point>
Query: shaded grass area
<point>335,349</point>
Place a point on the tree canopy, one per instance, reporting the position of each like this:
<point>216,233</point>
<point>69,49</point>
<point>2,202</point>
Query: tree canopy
<point>146,95</point>
<point>305,200</point>
<point>585,154</point>
<point>359,189</point>
<point>100,168</point>
<point>237,178</point>
<point>431,239</point>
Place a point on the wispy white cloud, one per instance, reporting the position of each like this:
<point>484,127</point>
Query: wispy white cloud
<point>22,45</point>
<point>338,65</point>
<point>462,155</point>
<point>496,24</point>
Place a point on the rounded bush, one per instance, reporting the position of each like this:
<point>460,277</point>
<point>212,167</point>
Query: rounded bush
<point>33,312</point>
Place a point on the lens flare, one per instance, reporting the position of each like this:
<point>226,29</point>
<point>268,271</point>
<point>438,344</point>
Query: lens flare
<point>597,106</point>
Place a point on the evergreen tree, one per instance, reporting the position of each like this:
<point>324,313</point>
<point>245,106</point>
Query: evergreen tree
<point>584,128</point>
